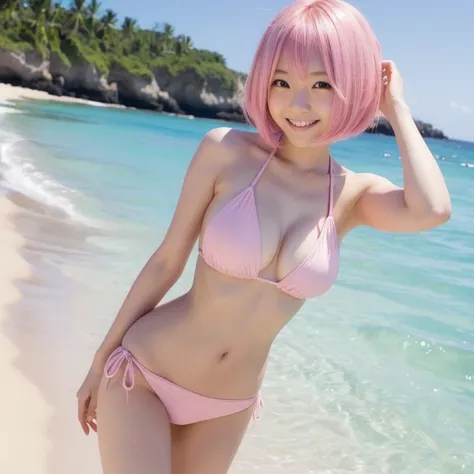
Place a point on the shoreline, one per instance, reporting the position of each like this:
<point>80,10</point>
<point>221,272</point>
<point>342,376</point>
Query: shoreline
<point>18,93</point>
<point>28,412</point>
<point>9,92</point>
<point>38,351</point>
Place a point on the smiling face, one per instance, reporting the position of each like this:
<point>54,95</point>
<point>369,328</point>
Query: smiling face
<point>301,104</point>
<point>309,36</point>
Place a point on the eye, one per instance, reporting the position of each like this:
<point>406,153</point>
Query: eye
<point>280,83</point>
<point>322,85</point>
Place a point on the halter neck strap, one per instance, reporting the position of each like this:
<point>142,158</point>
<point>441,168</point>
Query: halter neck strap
<point>331,187</point>
<point>262,169</point>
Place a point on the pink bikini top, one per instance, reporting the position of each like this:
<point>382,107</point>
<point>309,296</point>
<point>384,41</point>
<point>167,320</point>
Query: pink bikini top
<point>231,244</point>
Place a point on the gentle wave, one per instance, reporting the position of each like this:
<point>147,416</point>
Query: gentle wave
<point>19,173</point>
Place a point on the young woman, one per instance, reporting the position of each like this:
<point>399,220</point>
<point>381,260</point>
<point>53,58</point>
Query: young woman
<point>173,386</point>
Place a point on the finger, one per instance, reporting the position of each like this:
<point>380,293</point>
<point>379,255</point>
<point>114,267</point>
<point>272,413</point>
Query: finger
<point>91,412</point>
<point>93,425</point>
<point>91,407</point>
<point>81,412</point>
<point>388,67</point>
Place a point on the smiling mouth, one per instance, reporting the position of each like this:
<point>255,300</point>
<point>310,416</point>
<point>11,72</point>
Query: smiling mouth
<point>302,124</point>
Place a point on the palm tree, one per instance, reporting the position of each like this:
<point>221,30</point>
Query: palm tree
<point>183,45</point>
<point>39,14</point>
<point>11,11</point>
<point>106,29</point>
<point>92,12</point>
<point>78,14</point>
<point>168,38</point>
<point>109,19</point>
<point>129,25</point>
<point>187,43</point>
<point>10,4</point>
<point>168,31</point>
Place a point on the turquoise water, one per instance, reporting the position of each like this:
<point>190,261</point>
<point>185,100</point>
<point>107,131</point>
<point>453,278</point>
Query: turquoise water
<point>377,376</point>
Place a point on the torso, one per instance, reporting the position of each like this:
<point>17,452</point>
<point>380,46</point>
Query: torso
<point>215,338</point>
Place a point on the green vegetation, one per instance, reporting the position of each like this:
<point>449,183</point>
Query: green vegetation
<point>83,33</point>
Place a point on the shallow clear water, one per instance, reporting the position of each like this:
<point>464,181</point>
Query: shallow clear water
<point>377,376</point>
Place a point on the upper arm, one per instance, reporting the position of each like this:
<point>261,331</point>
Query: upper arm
<point>381,205</point>
<point>196,193</point>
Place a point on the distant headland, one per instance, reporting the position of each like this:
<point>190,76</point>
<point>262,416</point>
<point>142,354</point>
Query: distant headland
<point>81,52</point>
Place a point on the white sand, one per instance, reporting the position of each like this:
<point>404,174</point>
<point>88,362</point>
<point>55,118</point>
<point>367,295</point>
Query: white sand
<point>8,92</point>
<point>39,432</point>
<point>23,441</point>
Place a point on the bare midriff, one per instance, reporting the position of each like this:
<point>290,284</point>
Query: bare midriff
<point>214,339</point>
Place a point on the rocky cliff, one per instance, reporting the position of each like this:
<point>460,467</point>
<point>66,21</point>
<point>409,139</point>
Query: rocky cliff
<point>185,92</point>
<point>383,127</point>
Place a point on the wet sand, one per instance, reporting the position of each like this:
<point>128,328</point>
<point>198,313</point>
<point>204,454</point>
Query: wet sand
<point>43,355</point>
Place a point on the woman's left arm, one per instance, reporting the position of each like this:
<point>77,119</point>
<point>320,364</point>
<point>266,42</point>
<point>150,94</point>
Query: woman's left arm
<point>424,201</point>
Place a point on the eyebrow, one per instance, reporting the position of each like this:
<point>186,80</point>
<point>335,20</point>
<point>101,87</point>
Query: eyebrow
<point>312,73</point>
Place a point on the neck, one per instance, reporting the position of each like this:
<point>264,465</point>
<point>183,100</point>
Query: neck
<point>313,159</point>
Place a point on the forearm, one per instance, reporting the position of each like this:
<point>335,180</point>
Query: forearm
<point>151,285</point>
<point>424,186</point>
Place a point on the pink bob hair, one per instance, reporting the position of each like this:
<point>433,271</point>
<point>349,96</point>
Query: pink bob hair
<point>351,56</point>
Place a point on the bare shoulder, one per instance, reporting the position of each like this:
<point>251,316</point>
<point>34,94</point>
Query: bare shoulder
<point>224,145</point>
<point>227,139</point>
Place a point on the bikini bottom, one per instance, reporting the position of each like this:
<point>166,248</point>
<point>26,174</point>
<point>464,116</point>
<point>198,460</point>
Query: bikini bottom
<point>183,406</point>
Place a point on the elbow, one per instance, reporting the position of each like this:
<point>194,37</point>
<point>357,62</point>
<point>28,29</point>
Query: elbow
<point>440,214</point>
<point>443,212</point>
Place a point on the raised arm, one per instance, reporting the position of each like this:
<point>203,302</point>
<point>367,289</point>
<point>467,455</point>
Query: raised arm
<point>424,200</point>
<point>166,264</point>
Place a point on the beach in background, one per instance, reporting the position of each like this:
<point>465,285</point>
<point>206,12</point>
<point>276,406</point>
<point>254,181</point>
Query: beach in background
<point>377,376</point>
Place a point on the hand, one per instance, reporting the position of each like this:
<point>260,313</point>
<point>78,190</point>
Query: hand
<point>392,89</point>
<point>87,398</point>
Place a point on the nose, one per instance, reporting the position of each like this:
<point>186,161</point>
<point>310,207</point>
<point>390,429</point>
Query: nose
<point>301,100</point>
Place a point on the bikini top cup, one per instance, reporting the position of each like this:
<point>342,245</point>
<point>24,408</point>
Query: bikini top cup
<point>231,244</point>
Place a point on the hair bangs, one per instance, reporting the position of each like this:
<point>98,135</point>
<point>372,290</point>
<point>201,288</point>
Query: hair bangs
<point>313,34</point>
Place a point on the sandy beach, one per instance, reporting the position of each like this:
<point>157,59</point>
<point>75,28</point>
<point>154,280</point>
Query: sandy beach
<point>8,92</point>
<point>23,436</point>
<point>39,378</point>
<point>24,444</point>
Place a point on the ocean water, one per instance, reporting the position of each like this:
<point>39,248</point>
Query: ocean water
<point>376,376</point>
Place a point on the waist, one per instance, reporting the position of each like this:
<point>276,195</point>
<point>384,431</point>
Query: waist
<point>212,354</point>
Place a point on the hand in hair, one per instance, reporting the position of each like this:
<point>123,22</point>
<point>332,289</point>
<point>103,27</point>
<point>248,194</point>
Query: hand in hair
<point>392,89</point>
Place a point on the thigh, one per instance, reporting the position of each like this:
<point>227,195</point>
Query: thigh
<point>208,447</point>
<point>134,435</point>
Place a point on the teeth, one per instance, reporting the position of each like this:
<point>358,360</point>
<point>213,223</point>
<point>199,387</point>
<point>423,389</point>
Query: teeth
<point>300,123</point>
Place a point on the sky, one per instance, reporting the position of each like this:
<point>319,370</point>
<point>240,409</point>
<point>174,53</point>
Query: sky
<point>431,42</point>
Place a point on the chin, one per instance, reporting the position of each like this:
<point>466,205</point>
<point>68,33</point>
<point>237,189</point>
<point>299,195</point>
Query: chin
<point>301,142</point>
